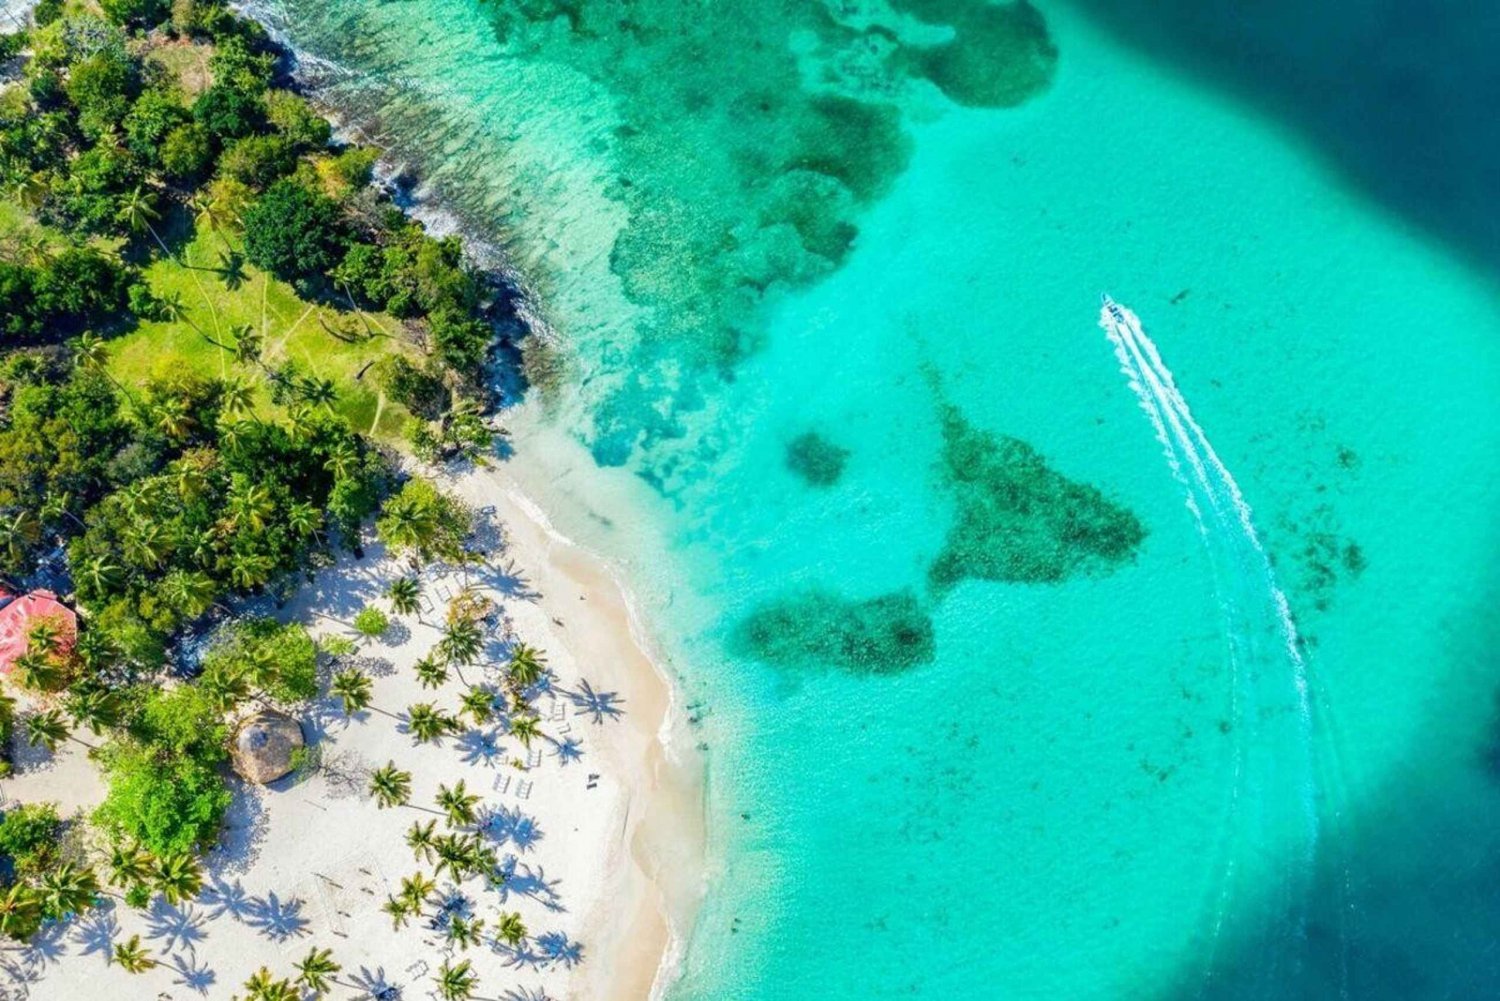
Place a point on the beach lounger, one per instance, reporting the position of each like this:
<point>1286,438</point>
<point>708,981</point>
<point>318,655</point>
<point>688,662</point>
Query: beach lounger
<point>502,783</point>
<point>534,757</point>
<point>523,790</point>
<point>559,710</point>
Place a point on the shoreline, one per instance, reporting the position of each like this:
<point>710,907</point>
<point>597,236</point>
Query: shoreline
<point>619,860</point>
<point>640,922</point>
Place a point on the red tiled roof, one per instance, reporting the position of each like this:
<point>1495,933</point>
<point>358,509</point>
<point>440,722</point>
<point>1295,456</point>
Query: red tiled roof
<point>17,618</point>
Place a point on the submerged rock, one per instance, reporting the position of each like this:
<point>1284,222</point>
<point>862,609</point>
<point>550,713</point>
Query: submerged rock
<point>881,635</point>
<point>816,459</point>
<point>1018,519</point>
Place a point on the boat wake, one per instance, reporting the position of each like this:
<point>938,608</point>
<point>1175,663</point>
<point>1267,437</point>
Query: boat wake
<point>1273,797</point>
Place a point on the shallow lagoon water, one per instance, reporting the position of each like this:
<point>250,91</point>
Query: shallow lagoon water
<point>1070,794</point>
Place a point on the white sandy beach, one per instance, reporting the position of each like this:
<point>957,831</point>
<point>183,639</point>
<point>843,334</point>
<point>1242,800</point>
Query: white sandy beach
<point>608,847</point>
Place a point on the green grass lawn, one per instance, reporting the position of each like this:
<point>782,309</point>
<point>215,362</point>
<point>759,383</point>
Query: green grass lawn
<point>291,328</point>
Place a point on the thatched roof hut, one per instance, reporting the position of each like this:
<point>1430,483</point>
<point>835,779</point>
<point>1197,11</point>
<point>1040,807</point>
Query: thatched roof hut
<point>263,746</point>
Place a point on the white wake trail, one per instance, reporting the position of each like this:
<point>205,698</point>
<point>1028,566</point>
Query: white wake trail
<point>1267,670</point>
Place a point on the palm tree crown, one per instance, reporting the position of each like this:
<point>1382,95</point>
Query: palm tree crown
<point>390,786</point>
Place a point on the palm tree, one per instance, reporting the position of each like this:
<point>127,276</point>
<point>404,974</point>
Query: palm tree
<point>406,596</point>
<point>20,910</point>
<point>452,855</point>
<point>100,574</point>
<point>527,665</point>
<point>18,533</point>
<point>341,460</point>
<point>458,804</point>
<point>47,729</point>
<point>415,889</point>
<point>247,344</point>
<point>479,703</point>
<point>173,418</point>
<point>247,571</point>
<point>132,956</point>
<point>464,933</point>
<point>93,707</point>
<point>352,688</point>
<point>318,392</point>
<point>511,928</point>
<point>399,912</point>
<point>263,987</point>
<point>421,840</point>
<point>225,686</point>
<point>427,723</point>
<point>304,520</point>
<point>29,189</point>
<point>147,545</point>
<point>525,729</point>
<point>212,214</point>
<point>128,866</point>
<point>178,877</point>
<point>189,593</point>
<point>36,672</point>
<point>138,211</point>
<point>430,674</point>
<point>455,983</point>
<point>316,970</point>
<point>462,642</point>
<point>390,786</point>
<point>250,505</point>
<point>236,395</point>
<point>67,889</point>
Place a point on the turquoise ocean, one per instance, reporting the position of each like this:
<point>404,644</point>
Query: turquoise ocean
<point>1024,668</point>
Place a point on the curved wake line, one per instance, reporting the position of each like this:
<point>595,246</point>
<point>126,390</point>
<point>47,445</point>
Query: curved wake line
<point>1251,600</point>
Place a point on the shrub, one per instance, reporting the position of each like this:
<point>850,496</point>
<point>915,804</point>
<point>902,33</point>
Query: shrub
<point>46,11</point>
<point>187,152</point>
<point>151,119</point>
<point>292,232</point>
<point>371,622</point>
<point>463,342</point>
<point>355,165</point>
<point>29,837</point>
<point>228,112</point>
<point>418,390</point>
<point>101,88</point>
<point>147,13</point>
<point>280,658</point>
<point>168,804</point>
<point>296,120</point>
<point>258,161</point>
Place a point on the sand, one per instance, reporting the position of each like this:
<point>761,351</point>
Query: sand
<point>615,872</point>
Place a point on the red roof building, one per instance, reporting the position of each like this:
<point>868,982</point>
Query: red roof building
<point>19,616</point>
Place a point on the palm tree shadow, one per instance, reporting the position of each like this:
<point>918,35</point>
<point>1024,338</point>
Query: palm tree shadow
<point>525,881</point>
<point>525,994</point>
<point>594,703</point>
<point>48,945</point>
<point>175,927</point>
<point>481,747</point>
<point>225,898</point>
<point>97,932</point>
<point>374,983</point>
<point>556,949</point>
<point>190,974</point>
<point>276,919</point>
<point>509,824</point>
